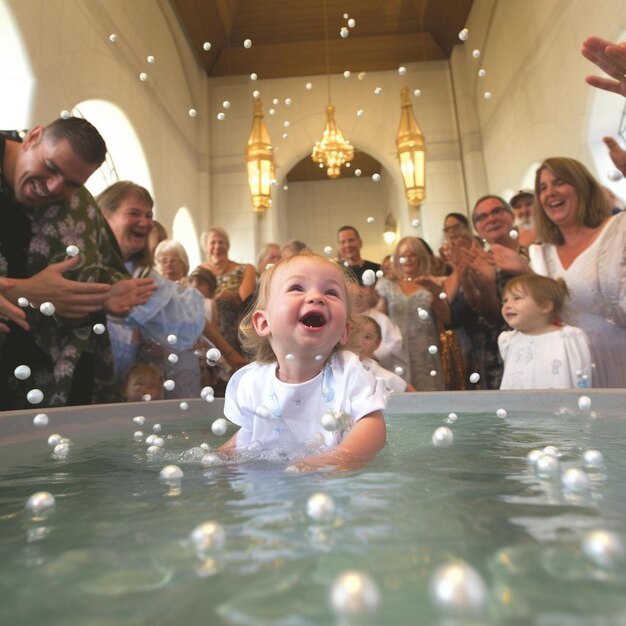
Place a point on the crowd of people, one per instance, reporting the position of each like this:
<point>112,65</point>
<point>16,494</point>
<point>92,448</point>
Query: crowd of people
<point>101,305</point>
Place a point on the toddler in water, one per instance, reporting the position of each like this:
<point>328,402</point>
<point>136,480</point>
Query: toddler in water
<point>370,336</point>
<point>541,352</point>
<point>298,328</point>
<point>140,381</point>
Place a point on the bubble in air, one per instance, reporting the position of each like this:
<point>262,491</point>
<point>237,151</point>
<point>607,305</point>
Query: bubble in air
<point>40,502</point>
<point>54,439</point>
<point>422,313</point>
<point>482,73</point>
<point>172,358</point>
<point>547,466</point>
<point>219,427</point>
<point>347,74</point>
<point>344,32</point>
<point>171,472</point>
<point>143,77</point>
<point>146,397</point>
<point>320,507</point>
<point>452,417</point>
<point>22,302</point>
<point>61,450</point>
<point>72,250</point>
<point>140,420</point>
<point>443,437</point>
<point>357,172</point>
<point>247,44</point>
<point>399,370</point>
<point>575,480</point>
<point>138,436</point>
<point>351,23</point>
<point>213,355</point>
<point>35,396</point>
<point>532,456</point>
<point>464,34</point>
<point>368,278</point>
<point>615,175</point>
<point>22,372</point>
<point>354,594</point>
<point>513,234</point>
<point>376,177</point>
<point>378,91</point>
<point>433,349</point>
<point>402,70</point>
<point>183,406</point>
<point>319,357</point>
<point>290,357</point>
<point>207,393</point>
<point>254,76</point>
<point>40,420</point>
<point>458,589</point>
<point>158,442</point>
<point>361,75</point>
<point>433,373</point>
<point>474,377</point>
<point>47,309</point>
<point>329,422</point>
<point>221,116</point>
<point>112,37</point>
<point>417,93</point>
<point>328,250</point>
<point>379,273</point>
<point>415,223</point>
<point>476,54</point>
<point>226,104</point>
<point>487,95</point>
<point>501,413</point>
<point>206,46</point>
<point>593,459</point>
<point>360,113</point>
<point>169,384</point>
<point>172,339</point>
<point>584,403</point>
<point>99,328</point>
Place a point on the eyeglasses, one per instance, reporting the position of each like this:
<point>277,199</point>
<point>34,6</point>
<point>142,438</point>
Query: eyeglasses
<point>495,212</point>
<point>168,261</point>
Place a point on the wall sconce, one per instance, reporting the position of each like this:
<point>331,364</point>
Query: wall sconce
<point>411,152</point>
<point>391,227</point>
<point>260,161</point>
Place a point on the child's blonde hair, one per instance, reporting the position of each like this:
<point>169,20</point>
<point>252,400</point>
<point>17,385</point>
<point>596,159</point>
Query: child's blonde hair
<point>260,347</point>
<point>366,320</point>
<point>541,289</point>
<point>150,371</point>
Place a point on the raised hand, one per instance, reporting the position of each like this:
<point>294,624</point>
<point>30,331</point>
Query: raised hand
<point>129,293</point>
<point>611,59</point>
<point>618,156</point>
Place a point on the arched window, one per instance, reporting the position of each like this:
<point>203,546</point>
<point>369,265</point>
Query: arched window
<point>185,232</point>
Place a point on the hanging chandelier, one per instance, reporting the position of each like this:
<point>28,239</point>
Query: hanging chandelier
<point>411,152</point>
<point>260,161</point>
<point>333,150</point>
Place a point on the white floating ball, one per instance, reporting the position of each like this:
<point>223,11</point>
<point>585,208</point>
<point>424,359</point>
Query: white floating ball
<point>415,223</point>
<point>513,234</point>
<point>604,548</point>
<point>368,278</point>
<point>584,403</point>
<point>501,413</point>
<point>320,507</point>
<point>290,357</point>
<point>140,420</point>
<point>172,358</point>
<point>210,459</point>
<point>351,23</point>
<point>213,355</point>
<point>143,77</point>
<point>34,396</point>
<point>112,37</point>
<point>184,406</point>
<point>40,502</point>
<point>169,384</point>
<point>288,101</point>
<point>370,220</point>
<point>422,313</point>
<point>156,428</point>
<point>150,439</point>
<point>432,349</point>
<point>158,442</point>
<point>153,449</point>
<point>452,417</point>
<point>474,377</point>
<point>61,450</point>
<point>476,54</point>
<point>482,73</point>
<point>487,95</point>
<point>22,302</point>
<point>464,34</point>
<point>379,273</point>
<point>443,295</point>
<point>328,250</point>
<point>360,113</point>
<point>219,427</point>
<point>402,70</point>
<point>319,357</point>
<point>402,261</point>
<point>433,373</point>
<point>361,75</point>
<point>207,536</point>
<point>207,394</point>
<point>221,116</point>
<point>172,339</point>
<point>552,451</point>
<point>615,175</point>
<point>575,480</point>
<point>138,435</point>
<point>99,329</point>
<point>150,59</point>
<point>378,91</point>
<point>40,420</point>
<point>171,472</point>
<point>532,456</point>
<point>192,112</point>
<point>72,250</point>
<point>344,32</point>
<point>347,74</point>
<point>47,309</point>
<point>376,177</point>
<point>263,412</point>
<point>329,422</point>
<point>308,86</point>
<point>443,437</point>
<point>226,104</point>
<point>459,589</point>
<point>22,372</point>
<point>547,466</point>
<point>353,594</point>
<point>357,172</point>
<point>54,439</point>
<point>593,458</point>
<point>247,43</point>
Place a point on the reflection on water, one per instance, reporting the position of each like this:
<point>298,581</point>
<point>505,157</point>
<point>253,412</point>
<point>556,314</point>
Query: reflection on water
<point>116,549</point>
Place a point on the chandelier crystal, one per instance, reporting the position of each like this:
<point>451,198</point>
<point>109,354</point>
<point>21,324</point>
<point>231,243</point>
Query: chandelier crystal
<point>333,150</point>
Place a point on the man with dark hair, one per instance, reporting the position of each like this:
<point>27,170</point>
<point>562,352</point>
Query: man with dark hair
<point>350,244</point>
<point>44,208</point>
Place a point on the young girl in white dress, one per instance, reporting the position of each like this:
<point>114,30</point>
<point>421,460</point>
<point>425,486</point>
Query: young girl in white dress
<point>541,352</point>
<point>305,394</point>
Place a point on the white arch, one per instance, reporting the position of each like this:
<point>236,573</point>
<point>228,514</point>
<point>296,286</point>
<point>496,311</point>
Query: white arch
<point>16,75</point>
<point>127,158</point>
<point>184,231</point>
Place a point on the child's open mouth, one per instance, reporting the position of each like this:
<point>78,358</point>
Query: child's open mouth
<point>313,320</point>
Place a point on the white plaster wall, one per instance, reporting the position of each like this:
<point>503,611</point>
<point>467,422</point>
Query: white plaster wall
<point>73,60</point>
<point>541,105</point>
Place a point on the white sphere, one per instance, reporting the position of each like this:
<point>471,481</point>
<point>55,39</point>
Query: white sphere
<point>40,420</point>
<point>247,43</point>
<point>547,466</point>
<point>192,112</point>
<point>184,406</point>
<point>210,459</point>
<point>532,456</point>
<point>221,116</point>
<point>481,73</point>
<point>206,46</point>
<point>513,234</point>
<point>308,86</point>
<point>370,220</point>
<point>443,295</point>
<point>172,339</point>
<point>23,302</point>
<point>584,403</point>
<point>150,58</point>
<point>422,314</point>
<point>169,384</point>
<point>319,357</point>
<point>458,588</point>
<point>378,91</point>
<point>344,32</point>
<point>328,250</point>
<point>156,428</point>
<point>443,437</point>
<point>99,328</point>
<point>399,370</point>
<point>376,177</point>
<point>501,413</point>
<point>464,34</point>
<point>171,472</point>
<point>433,373</point>
<point>347,74</point>
<point>593,458</point>
<point>402,70</point>
<point>615,175</point>
<point>213,355</point>
<point>351,22</point>
<point>158,442</point>
<point>40,502</point>
<point>150,439</point>
<point>476,54</point>
<point>226,104</point>
<point>112,37</point>
<point>172,358</point>
<point>22,372</point>
<point>206,392</point>
<point>415,222</point>
<point>604,548</point>
<point>357,172</point>
<point>329,422</point>
<point>474,377</point>
<point>254,76</point>
<point>263,412</point>
<point>47,309</point>
<point>153,449</point>
<point>143,77</point>
<point>354,593</point>
<point>54,439</point>
<point>368,278</point>
<point>320,507</point>
<point>452,417</point>
<point>61,450</point>
<point>34,396</point>
<point>432,349</point>
<point>207,536</point>
<point>575,480</point>
<point>487,95</point>
<point>140,420</point>
<point>552,451</point>
<point>72,250</point>
<point>138,435</point>
<point>219,427</point>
